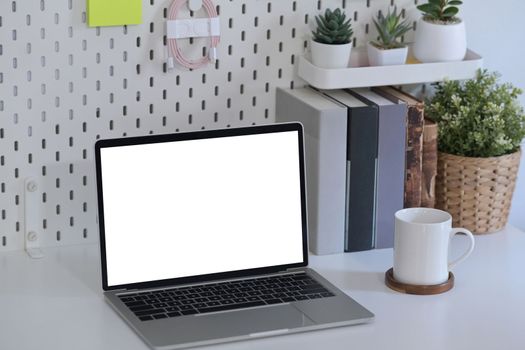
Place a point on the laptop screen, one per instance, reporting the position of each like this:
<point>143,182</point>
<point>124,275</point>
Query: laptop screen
<point>200,205</point>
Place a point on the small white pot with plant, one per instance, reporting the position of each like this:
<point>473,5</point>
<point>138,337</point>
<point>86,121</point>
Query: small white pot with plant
<point>440,34</point>
<point>388,50</point>
<point>331,43</point>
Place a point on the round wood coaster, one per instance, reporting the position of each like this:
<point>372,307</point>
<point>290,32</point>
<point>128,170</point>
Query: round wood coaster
<point>418,289</point>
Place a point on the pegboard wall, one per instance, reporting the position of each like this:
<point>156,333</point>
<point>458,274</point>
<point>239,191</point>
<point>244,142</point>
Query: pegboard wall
<point>64,85</point>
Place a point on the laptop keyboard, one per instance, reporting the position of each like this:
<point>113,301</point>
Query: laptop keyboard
<point>200,299</point>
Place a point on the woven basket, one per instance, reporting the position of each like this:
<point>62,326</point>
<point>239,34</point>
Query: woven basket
<point>477,192</point>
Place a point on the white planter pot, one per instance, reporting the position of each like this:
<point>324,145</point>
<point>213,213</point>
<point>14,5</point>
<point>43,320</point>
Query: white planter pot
<point>440,42</point>
<point>379,57</point>
<point>330,56</point>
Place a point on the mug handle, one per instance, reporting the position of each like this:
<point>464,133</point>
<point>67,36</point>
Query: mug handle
<point>469,234</point>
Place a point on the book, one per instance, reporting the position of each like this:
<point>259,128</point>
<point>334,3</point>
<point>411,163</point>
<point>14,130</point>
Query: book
<point>361,171</point>
<point>414,143</point>
<point>429,163</point>
<point>391,147</point>
<point>325,125</point>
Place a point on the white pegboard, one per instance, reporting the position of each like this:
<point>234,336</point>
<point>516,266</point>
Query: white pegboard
<point>64,85</point>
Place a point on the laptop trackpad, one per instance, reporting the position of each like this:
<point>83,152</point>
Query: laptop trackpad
<point>255,322</point>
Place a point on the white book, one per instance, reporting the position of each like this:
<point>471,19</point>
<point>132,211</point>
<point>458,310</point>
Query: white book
<point>325,127</point>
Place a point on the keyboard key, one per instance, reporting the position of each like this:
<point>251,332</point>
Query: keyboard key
<point>326,294</point>
<point>149,312</point>
<point>273,301</point>
<point>188,312</point>
<point>314,296</point>
<point>159,316</point>
<point>186,307</point>
<point>174,314</point>
<point>280,295</point>
<point>172,308</point>
<point>145,318</point>
<point>301,297</point>
<point>288,299</point>
<point>141,308</point>
<point>231,307</point>
<point>135,303</point>
<point>312,291</point>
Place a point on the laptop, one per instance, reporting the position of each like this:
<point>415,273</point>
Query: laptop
<point>203,237</point>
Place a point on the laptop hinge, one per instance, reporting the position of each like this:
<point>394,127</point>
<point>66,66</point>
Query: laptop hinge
<point>121,290</point>
<point>295,269</point>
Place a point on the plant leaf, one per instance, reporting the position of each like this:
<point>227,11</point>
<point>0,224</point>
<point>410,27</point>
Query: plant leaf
<point>450,12</point>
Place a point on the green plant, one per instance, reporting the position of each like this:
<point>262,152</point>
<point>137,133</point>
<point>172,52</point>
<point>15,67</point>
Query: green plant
<point>332,28</point>
<point>479,117</point>
<point>441,10</point>
<point>390,28</point>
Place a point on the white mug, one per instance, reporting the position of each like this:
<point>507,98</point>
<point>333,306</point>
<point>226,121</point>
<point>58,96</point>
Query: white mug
<point>421,243</point>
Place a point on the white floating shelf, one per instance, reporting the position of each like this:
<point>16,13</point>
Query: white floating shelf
<point>359,74</point>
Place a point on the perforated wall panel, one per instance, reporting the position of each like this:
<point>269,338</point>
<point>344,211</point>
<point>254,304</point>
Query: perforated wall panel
<point>64,85</point>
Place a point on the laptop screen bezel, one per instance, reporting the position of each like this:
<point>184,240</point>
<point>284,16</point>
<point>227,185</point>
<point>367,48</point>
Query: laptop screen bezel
<point>196,135</point>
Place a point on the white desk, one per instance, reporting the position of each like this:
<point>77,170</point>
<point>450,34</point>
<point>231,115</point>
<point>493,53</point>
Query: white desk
<point>56,303</point>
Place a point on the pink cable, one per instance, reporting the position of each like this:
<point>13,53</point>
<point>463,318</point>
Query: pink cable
<point>172,43</point>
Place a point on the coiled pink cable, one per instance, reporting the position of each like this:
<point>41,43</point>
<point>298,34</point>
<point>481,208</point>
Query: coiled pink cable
<point>172,43</point>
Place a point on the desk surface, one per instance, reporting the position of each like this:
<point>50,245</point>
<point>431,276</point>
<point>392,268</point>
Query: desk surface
<point>57,303</point>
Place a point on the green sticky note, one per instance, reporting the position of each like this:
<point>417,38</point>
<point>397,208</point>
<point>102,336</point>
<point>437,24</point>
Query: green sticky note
<point>114,12</point>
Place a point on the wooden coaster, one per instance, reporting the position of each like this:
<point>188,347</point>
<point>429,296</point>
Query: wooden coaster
<point>418,289</point>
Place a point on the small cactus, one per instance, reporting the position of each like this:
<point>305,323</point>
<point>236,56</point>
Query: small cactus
<point>333,28</point>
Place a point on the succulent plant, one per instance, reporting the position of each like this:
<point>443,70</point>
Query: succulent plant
<point>390,28</point>
<point>441,10</point>
<point>333,28</point>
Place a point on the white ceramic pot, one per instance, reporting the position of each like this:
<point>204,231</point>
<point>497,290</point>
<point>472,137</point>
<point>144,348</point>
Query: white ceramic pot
<point>330,56</point>
<point>379,57</point>
<point>440,42</point>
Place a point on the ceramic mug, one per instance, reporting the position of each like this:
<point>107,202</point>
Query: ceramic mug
<point>421,244</point>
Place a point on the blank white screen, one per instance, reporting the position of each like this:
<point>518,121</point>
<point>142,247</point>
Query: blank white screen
<point>187,208</point>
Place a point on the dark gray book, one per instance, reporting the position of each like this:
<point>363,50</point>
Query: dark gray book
<point>391,150</point>
<point>361,171</point>
<point>325,125</point>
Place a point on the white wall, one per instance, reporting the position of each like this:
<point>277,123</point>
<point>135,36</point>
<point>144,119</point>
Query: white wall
<point>495,30</point>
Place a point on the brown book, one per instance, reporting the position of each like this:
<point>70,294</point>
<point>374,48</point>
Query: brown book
<point>414,149</point>
<point>429,165</point>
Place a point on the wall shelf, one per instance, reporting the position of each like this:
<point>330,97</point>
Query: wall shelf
<point>359,74</point>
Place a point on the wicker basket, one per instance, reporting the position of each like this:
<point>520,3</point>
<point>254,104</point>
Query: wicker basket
<point>477,192</point>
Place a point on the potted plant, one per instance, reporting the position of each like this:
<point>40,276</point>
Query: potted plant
<point>331,42</point>
<point>440,34</point>
<point>481,125</point>
<point>387,50</point>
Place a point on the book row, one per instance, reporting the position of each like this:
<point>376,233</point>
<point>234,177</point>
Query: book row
<point>369,153</point>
